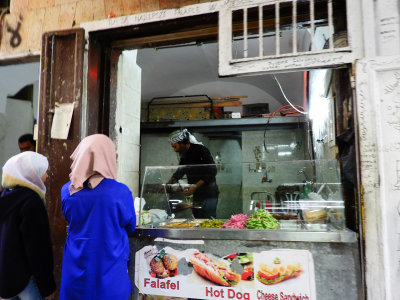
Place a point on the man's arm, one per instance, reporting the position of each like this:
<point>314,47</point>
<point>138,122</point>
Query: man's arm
<point>172,180</point>
<point>192,188</point>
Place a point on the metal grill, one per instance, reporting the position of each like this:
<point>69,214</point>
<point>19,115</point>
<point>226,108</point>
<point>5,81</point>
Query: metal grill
<point>279,29</point>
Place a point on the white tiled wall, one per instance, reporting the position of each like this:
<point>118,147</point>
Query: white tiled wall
<point>282,146</point>
<point>17,120</point>
<point>127,120</point>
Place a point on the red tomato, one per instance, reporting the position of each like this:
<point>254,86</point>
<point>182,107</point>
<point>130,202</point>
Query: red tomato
<point>232,256</point>
<point>269,277</point>
<point>246,275</point>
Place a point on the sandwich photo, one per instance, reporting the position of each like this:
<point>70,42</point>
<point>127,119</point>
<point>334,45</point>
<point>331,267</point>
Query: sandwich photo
<point>277,272</point>
<point>214,269</point>
<point>164,265</point>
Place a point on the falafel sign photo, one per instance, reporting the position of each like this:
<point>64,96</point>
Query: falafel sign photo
<point>283,274</point>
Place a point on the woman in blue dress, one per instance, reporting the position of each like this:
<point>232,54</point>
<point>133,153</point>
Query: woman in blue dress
<point>100,214</point>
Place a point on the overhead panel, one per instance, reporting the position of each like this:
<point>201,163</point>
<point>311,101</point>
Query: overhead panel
<point>282,35</point>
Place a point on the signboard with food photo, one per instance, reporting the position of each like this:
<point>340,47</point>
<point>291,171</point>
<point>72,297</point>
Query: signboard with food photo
<point>275,274</point>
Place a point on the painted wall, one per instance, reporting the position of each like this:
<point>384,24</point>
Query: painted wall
<point>22,28</point>
<point>16,116</point>
<point>15,77</point>
<point>15,121</point>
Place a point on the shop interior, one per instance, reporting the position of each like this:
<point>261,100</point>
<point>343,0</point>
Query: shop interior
<point>271,135</point>
<point>277,137</point>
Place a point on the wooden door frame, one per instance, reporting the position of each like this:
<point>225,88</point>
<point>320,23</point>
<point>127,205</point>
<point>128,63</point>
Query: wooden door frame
<point>61,81</point>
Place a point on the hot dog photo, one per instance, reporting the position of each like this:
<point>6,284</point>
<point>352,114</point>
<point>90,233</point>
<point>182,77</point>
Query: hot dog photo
<point>214,269</point>
<point>276,273</point>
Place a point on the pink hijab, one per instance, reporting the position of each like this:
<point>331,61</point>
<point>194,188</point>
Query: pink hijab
<point>93,159</point>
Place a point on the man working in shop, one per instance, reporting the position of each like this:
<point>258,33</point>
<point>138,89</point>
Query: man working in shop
<point>26,142</point>
<point>199,167</point>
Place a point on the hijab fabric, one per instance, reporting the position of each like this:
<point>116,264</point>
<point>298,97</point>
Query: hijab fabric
<point>26,169</point>
<point>93,160</point>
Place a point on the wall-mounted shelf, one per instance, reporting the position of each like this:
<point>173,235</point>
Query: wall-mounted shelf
<point>225,125</point>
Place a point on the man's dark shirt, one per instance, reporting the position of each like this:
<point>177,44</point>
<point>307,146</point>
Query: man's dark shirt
<point>197,155</point>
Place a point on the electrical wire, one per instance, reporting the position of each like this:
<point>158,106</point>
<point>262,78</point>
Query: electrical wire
<point>273,115</point>
<point>293,106</point>
<point>284,95</point>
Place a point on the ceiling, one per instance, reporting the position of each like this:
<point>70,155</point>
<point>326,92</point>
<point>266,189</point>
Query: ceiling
<point>180,57</point>
<point>193,70</point>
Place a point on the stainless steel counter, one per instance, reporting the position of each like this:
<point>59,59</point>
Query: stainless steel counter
<point>342,236</point>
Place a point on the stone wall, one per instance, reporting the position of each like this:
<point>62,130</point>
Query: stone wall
<point>21,29</point>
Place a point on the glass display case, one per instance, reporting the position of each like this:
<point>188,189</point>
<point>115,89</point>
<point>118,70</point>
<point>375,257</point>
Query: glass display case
<point>304,195</point>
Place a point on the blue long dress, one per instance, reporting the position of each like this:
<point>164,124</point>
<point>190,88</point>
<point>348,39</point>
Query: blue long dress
<point>96,251</point>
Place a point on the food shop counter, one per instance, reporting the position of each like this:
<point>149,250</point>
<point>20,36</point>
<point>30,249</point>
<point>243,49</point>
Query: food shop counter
<point>282,240</point>
<point>335,236</point>
<point>327,264</point>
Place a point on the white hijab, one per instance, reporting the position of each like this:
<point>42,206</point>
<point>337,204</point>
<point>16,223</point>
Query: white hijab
<point>26,169</point>
<point>179,135</point>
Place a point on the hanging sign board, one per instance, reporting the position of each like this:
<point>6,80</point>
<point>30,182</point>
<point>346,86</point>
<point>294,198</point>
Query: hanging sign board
<point>275,274</point>
<point>62,120</point>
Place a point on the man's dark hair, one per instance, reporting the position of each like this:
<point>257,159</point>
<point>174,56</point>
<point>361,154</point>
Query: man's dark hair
<point>27,137</point>
<point>186,139</point>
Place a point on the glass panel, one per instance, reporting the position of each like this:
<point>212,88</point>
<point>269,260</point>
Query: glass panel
<point>269,38</point>
<point>306,196</point>
<point>286,28</point>
<point>253,32</point>
<point>237,34</point>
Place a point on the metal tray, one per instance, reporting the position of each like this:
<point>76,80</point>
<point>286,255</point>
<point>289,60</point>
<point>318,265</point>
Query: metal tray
<point>179,223</point>
<point>290,225</point>
<point>316,227</point>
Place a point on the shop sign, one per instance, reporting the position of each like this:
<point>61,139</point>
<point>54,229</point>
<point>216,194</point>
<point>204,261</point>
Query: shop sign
<point>283,274</point>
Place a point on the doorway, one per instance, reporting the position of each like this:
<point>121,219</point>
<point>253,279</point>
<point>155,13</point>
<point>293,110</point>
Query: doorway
<point>169,71</point>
